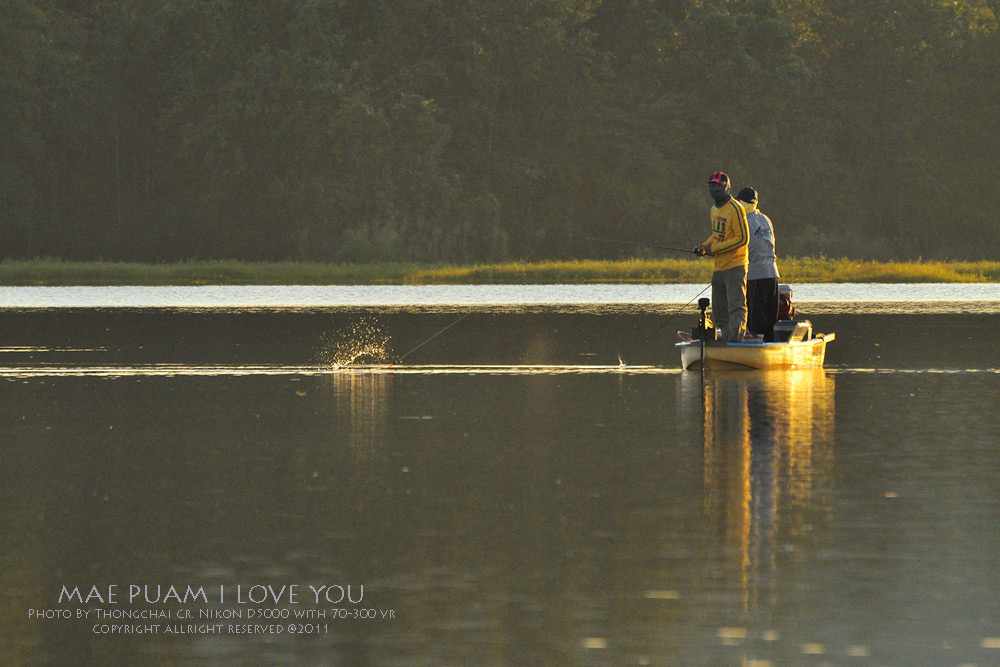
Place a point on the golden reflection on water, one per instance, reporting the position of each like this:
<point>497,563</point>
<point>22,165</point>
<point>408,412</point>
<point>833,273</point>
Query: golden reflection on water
<point>768,455</point>
<point>365,399</point>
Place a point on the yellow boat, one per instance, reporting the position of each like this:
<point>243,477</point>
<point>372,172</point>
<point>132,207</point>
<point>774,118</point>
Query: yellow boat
<point>806,352</point>
<point>794,344</point>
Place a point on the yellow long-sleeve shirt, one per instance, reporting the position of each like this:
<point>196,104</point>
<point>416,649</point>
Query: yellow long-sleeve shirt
<point>730,235</point>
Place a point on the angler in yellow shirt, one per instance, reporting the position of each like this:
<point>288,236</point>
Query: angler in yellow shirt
<point>728,244</point>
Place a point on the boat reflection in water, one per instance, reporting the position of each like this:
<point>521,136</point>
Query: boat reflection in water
<point>768,464</point>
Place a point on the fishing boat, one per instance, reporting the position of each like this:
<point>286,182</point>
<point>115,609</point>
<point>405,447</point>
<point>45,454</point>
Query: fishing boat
<point>795,346</point>
<point>806,353</point>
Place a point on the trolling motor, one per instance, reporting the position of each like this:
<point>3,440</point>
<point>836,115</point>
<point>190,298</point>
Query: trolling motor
<point>705,329</point>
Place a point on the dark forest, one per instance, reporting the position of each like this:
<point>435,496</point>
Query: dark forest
<point>484,130</point>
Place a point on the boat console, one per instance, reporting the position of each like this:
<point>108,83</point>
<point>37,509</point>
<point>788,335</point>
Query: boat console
<point>792,331</point>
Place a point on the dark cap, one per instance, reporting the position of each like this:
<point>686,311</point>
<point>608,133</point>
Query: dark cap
<point>747,194</point>
<point>718,177</point>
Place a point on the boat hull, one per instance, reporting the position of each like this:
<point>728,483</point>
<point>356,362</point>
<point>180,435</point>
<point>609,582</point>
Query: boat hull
<point>756,356</point>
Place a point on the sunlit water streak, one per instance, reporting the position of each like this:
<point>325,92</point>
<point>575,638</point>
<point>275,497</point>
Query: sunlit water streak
<point>168,370</point>
<point>18,349</point>
<point>844,295</point>
<point>208,370</point>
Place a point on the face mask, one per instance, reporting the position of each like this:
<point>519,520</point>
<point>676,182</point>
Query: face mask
<point>719,194</point>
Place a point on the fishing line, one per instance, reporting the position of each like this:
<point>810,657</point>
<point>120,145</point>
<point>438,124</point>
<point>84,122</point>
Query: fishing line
<point>640,243</point>
<point>436,335</point>
<point>677,312</point>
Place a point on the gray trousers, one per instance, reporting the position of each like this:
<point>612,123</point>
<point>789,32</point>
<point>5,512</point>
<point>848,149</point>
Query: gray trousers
<point>729,302</point>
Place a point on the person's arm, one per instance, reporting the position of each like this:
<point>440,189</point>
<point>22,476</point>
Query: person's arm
<point>706,245</point>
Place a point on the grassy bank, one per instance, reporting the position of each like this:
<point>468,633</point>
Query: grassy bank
<point>793,270</point>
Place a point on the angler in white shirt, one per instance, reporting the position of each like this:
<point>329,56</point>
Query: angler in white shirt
<point>762,270</point>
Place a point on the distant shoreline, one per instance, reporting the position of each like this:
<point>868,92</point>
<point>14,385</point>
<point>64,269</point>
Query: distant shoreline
<point>45,272</point>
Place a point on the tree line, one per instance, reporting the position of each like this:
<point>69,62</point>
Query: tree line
<point>481,130</point>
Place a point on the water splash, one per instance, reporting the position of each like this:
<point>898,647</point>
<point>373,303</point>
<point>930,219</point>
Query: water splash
<point>363,341</point>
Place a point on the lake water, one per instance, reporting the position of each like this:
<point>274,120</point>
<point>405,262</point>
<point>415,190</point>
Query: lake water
<point>586,296</point>
<point>492,485</point>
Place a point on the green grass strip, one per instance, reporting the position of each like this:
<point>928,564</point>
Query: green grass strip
<point>793,270</point>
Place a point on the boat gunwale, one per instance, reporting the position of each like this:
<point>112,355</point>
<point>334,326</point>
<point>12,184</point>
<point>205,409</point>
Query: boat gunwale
<point>812,341</point>
<point>766,350</point>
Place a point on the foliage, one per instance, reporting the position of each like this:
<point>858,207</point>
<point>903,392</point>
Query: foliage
<point>232,272</point>
<point>491,130</point>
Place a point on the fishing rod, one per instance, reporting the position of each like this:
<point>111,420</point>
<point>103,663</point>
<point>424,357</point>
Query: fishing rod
<point>647,245</point>
<point>621,359</point>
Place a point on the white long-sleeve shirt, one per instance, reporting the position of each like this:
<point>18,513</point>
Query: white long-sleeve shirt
<point>762,262</point>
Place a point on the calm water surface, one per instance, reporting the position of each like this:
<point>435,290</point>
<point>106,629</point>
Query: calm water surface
<point>509,492</point>
<point>589,296</point>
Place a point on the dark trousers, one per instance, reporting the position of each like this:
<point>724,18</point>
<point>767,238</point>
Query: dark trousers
<point>762,307</point>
